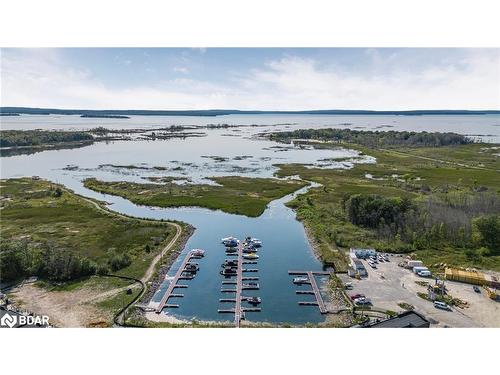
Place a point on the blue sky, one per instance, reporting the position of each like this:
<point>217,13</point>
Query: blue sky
<point>251,78</point>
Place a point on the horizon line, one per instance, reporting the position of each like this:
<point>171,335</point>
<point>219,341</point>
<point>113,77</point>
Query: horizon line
<point>220,112</point>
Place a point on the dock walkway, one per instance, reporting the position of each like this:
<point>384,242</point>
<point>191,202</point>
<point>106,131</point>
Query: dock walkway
<point>315,289</point>
<point>173,284</point>
<point>239,310</point>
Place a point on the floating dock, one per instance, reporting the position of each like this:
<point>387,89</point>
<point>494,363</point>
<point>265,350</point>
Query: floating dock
<point>239,310</point>
<point>173,284</point>
<point>315,290</point>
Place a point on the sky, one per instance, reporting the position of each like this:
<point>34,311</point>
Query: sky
<point>251,78</point>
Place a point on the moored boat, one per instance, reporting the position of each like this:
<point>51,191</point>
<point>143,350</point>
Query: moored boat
<point>300,280</point>
<point>253,300</point>
<point>230,241</point>
<point>255,242</point>
<point>228,271</point>
<point>198,252</point>
<point>251,256</point>
<point>230,263</point>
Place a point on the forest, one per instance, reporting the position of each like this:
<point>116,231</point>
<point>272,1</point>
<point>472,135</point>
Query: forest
<point>460,219</point>
<point>22,138</point>
<point>48,261</point>
<point>374,138</point>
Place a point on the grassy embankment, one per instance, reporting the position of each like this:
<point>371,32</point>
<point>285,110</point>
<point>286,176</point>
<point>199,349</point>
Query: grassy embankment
<point>455,170</point>
<point>42,214</point>
<point>236,195</point>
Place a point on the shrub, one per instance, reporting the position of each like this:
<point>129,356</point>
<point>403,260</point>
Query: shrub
<point>119,261</point>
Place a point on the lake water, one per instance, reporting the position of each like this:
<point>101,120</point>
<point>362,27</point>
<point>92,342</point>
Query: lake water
<point>237,152</point>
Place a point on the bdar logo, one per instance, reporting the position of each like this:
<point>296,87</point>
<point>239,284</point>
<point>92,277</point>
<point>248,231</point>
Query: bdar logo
<point>8,320</point>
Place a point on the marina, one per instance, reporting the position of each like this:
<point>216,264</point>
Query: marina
<point>286,244</point>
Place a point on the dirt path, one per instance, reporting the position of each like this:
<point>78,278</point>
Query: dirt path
<point>151,269</point>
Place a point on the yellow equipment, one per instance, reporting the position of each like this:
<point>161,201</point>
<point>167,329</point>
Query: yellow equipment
<point>471,277</point>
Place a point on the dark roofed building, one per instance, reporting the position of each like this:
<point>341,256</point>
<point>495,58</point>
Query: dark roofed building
<point>408,319</point>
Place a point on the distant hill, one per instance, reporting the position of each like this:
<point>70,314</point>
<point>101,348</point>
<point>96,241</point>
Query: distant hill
<point>222,112</point>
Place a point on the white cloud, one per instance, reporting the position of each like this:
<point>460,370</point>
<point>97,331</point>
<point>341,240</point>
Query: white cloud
<point>40,79</point>
<point>181,69</point>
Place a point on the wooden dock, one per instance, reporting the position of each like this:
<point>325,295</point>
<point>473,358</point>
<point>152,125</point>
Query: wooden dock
<point>179,275</point>
<point>314,289</point>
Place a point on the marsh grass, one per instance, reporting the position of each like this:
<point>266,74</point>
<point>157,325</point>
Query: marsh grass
<point>236,195</point>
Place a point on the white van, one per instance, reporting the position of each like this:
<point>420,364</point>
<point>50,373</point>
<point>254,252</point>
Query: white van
<point>424,273</point>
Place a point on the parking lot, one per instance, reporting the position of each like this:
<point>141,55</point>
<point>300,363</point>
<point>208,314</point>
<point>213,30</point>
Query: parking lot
<point>388,285</point>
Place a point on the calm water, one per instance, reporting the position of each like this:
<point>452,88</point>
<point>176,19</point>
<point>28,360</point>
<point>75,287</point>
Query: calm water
<point>485,126</point>
<point>285,244</point>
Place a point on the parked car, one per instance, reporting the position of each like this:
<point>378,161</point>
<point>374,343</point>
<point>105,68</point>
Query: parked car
<point>355,296</point>
<point>476,289</point>
<point>362,301</point>
<point>372,265</point>
<point>441,305</point>
<point>348,286</point>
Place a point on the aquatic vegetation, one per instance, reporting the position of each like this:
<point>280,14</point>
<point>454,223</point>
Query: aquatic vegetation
<point>238,195</point>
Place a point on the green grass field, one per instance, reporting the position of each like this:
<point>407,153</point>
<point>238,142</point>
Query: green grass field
<point>321,212</point>
<point>236,195</point>
<point>31,211</point>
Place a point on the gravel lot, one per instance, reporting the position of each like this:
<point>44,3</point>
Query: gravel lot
<point>389,284</point>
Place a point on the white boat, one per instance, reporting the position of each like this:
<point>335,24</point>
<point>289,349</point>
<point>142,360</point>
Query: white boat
<point>250,256</point>
<point>300,280</point>
<point>253,300</point>
<point>230,241</point>
<point>198,252</point>
<point>255,242</point>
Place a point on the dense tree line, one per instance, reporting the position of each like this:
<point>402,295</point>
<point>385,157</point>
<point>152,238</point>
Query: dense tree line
<point>375,138</point>
<point>371,210</point>
<point>16,138</point>
<point>21,259</point>
<point>462,220</point>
